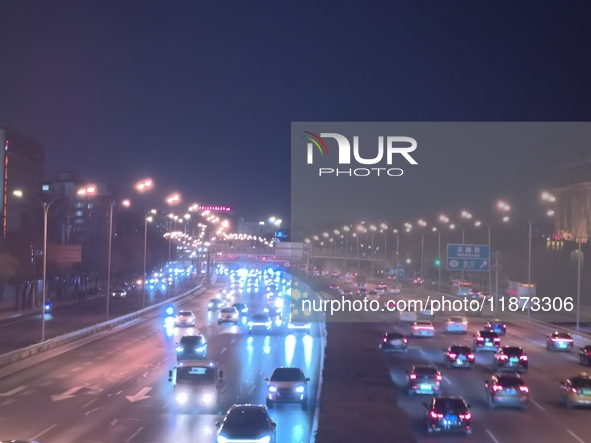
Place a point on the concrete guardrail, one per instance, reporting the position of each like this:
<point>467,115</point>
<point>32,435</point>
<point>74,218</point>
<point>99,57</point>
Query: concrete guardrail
<point>30,351</point>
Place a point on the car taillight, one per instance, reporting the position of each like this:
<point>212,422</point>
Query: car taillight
<point>503,357</point>
<point>471,356</point>
<point>523,388</point>
<point>497,339</point>
<point>439,378</point>
<point>523,357</point>
<point>497,388</point>
<point>480,339</point>
<point>574,390</point>
<point>385,340</point>
<point>436,415</point>
<point>452,355</point>
<point>404,340</point>
<point>413,376</point>
<point>466,416</point>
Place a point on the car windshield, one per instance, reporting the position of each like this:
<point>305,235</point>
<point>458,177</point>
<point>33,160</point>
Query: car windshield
<point>191,340</point>
<point>373,293</point>
<point>229,310</point>
<point>195,375</point>
<point>561,335</point>
<point>443,405</point>
<point>511,381</point>
<point>287,374</point>
<point>215,300</point>
<point>425,370</point>
<point>581,383</point>
<point>424,323</point>
<point>185,313</point>
<point>488,334</point>
<point>260,318</point>
<point>460,349</point>
<point>511,350</point>
<point>394,336</point>
<point>456,319</point>
<point>251,418</point>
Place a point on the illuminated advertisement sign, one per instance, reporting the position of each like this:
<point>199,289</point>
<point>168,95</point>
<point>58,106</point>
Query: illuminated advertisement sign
<point>215,208</point>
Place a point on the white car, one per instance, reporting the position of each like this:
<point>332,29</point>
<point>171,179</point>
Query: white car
<point>373,295</point>
<point>185,318</point>
<point>408,316</point>
<point>423,329</point>
<point>229,315</point>
<point>298,326</point>
<point>118,293</point>
<point>457,325</point>
<point>394,290</point>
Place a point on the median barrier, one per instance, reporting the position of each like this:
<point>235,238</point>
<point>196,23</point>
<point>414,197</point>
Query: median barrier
<point>38,348</point>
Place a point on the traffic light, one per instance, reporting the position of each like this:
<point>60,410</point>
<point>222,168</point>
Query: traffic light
<point>437,262</point>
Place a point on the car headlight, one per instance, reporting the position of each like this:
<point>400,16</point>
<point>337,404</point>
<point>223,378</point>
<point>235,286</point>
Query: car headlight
<point>179,349</point>
<point>250,323</point>
<point>200,349</point>
<point>300,389</point>
<point>222,439</point>
<point>269,324</point>
<point>207,398</point>
<point>266,310</point>
<point>244,309</point>
<point>265,439</point>
<point>290,326</point>
<point>182,398</point>
<point>272,389</point>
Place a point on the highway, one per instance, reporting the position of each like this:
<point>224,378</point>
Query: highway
<point>546,419</point>
<point>116,389</point>
<point>20,331</point>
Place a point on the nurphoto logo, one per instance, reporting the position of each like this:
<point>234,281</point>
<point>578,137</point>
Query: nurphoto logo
<point>396,147</point>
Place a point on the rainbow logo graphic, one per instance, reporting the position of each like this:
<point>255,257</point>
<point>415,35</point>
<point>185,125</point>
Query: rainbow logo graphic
<point>316,140</point>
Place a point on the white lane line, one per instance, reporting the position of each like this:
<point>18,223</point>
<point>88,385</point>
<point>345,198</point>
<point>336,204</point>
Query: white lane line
<point>251,390</point>
<point>46,383</point>
<point>79,368</point>
<point>539,367</point>
<point>492,437</point>
<point>134,434</point>
<point>233,340</point>
<point>90,402</point>
<point>35,437</point>
<point>537,404</point>
<point>222,351</point>
<point>447,380</point>
<point>575,436</point>
<point>7,402</point>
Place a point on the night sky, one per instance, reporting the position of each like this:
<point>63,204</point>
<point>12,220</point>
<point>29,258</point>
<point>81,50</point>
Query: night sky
<point>200,95</point>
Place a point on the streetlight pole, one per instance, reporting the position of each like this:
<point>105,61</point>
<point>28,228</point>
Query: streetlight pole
<point>579,256</point>
<point>439,258</point>
<point>423,224</point>
<point>109,256</point>
<point>146,220</point>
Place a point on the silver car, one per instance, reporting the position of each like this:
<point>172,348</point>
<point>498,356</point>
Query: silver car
<point>229,315</point>
<point>287,385</point>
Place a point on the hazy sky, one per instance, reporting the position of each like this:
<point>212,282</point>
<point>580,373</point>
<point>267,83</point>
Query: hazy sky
<point>201,95</point>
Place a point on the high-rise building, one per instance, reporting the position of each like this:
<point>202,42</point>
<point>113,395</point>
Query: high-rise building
<point>22,169</point>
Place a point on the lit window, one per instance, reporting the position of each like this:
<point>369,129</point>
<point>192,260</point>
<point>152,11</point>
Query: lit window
<point>78,213</point>
<point>45,188</point>
<point>89,205</point>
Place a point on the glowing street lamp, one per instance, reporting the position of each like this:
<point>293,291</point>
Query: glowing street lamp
<point>144,185</point>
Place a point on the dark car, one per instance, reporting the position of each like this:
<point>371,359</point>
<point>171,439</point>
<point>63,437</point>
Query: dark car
<point>585,355</point>
<point>241,308</point>
<point>247,423</point>
<point>448,414</point>
<point>287,385</point>
<point>511,358</point>
<point>458,356</point>
<point>486,340</point>
<point>272,310</point>
<point>191,347</point>
<point>362,292</point>
<point>347,292</point>
<point>215,304</point>
<point>506,390</point>
<point>393,341</point>
<point>497,326</point>
<point>560,341</point>
<point>424,379</point>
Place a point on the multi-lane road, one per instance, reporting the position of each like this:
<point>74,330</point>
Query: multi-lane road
<point>546,420</point>
<point>116,389</point>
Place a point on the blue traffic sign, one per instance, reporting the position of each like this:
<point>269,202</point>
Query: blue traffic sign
<point>462,257</point>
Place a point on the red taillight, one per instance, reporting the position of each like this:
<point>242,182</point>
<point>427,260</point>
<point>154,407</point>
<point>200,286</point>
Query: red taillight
<point>574,390</point>
<point>452,355</point>
<point>480,339</point>
<point>523,388</point>
<point>503,357</point>
<point>497,388</point>
<point>471,356</point>
<point>413,376</point>
<point>404,340</point>
<point>523,357</point>
<point>385,340</point>
<point>466,416</point>
<point>497,339</point>
<point>436,415</point>
<point>439,378</point>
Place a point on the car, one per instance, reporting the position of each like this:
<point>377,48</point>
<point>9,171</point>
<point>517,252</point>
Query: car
<point>272,310</point>
<point>241,308</point>
<point>423,329</point>
<point>191,347</point>
<point>424,379</point>
<point>335,275</point>
<point>184,319</point>
<point>456,325</point>
<point>347,292</point>
<point>506,390</point>
<point>373,295</point>
<point>486,340</point>
<point>381,288</point>
<point>360,285</point>
<point>393,341</point>
<point>362,292</point>
<point>247,423</point>
<point>299,326</point>
<point>408,316</point>
<point>334,287</point>
<point>585,355</point>
<point>118,292</point>
<point>458,356</point>
<point>394,290</point>
<point>287,385</point>
<point>229,315</point>
<point>260,323</point>
<point>447,414</point>
<point>497,326</point>
<point>576,391</point>
<point>559,341</point>
<point>418,281</point>
<point>391,277</point>
<point>511,358</point>
<point>197,383</point>
<point>215,304</point>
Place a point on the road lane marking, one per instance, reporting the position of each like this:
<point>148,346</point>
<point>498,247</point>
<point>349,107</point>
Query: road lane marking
<point>537,404</point>
<point>575,436</point>
<point>539,367</point>
<point>13,391</point>
<point>251,390</point>
<point>134,434</point>
<point>7,402</point>
<point>222,351</point>
<point>79,368</point>
<point>233,340</point>
<point>447,380</point>
<point>35,437</point>
<point>492,437</point>
<point>90,402</point>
